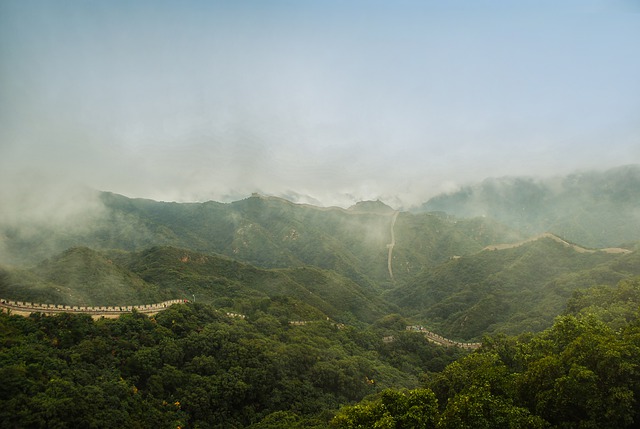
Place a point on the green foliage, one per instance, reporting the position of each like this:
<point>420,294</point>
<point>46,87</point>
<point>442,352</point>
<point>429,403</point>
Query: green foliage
<point>477,407</point>
<point>391,409</point>
<point>582,372</point>
<point>510,291</point>
<point>617,307</point>
<point>190,366</point>
<point>193,366</point>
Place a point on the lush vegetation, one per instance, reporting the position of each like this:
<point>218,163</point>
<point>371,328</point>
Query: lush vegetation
<point>583,372</point>
<point>347,361</point>
<point>193,366</point>
<point>81,276</point>
<point>509,291</point>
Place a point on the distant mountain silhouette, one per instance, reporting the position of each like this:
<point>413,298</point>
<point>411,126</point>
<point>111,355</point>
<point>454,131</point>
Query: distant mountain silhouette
<point>596,209</point>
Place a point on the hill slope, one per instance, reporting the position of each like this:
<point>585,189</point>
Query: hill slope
<point>596,209</point>
<point>511,290</point>
<point>271,233</point>
<point>81,276</point>
<point>336,262</point>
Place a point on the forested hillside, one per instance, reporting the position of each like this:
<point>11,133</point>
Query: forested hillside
<point>593,208</point>
<point>351,265</point>
<point>299,312</point>
<point>582,372</point>
<point>81,276</point>
<point>512,290</point>
<point>192,366</point>
<point>266,232</point>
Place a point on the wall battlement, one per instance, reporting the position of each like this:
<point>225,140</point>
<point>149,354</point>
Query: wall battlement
<point>25,308</point>
<point>439,339</point>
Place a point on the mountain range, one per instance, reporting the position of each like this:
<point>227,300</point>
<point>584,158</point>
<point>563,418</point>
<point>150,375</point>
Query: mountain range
<point>467,263</point>
<point>594,208</point>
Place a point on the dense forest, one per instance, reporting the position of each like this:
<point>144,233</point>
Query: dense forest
<point>193,366</point>
<point>582,372</point>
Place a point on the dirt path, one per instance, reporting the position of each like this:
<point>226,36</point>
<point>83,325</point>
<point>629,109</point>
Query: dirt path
<point>393,243</point>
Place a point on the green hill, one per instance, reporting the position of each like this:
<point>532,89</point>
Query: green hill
<point>22,285</point>
<point>81,276</point>
<point>511,290</point>
<point>426,240</point>
<point>597,209</point>
<point>272,233</point>
<point>227,282</point>
<point>355,264</point>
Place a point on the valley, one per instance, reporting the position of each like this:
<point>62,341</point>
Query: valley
<point>305,310</point>
<point>355,264</point>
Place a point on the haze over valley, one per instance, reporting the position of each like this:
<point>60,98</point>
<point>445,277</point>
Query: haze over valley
<point>377,300</point>
<point>319,215</point>
<point>364,261</point>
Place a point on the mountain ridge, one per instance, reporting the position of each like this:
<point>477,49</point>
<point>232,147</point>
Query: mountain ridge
<point>354,264</point>
<point>552,236</point>
<point>594,208</point>
<point>511,290</point>
<point>85,277</point>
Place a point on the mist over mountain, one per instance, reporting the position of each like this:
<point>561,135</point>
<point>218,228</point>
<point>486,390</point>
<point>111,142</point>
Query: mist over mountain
<point>344,214</point>
<point>593,208</point>
<point>350,264</point>
<point>268,232</point>
<point>321,305</point>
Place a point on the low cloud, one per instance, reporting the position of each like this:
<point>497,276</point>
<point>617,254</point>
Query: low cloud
<point>318,104</point>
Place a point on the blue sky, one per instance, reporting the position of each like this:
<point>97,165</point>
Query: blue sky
<point>327,101</point>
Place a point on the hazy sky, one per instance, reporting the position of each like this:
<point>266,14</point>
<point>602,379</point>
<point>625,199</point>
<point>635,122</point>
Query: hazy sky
<point>338,100</point>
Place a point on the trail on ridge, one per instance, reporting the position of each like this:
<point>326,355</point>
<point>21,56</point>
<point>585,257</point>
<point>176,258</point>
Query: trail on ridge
<point>554,237</point>
<point>393,243</point>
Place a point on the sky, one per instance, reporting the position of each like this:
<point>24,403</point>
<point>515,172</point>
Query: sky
<point>328,102</point>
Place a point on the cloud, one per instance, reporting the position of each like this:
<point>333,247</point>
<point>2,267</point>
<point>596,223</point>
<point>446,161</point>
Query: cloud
<point>332,102</point>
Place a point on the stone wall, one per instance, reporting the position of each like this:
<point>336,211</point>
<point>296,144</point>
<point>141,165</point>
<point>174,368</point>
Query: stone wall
<point>25,308</point>
<point>439,339</point>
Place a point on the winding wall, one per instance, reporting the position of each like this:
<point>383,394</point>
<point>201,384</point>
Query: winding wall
<point>554,237</point>
<point>439,339</point>
<point>24,308</point>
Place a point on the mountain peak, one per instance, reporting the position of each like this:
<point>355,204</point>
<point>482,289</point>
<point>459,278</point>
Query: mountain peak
<point>376,206</point>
